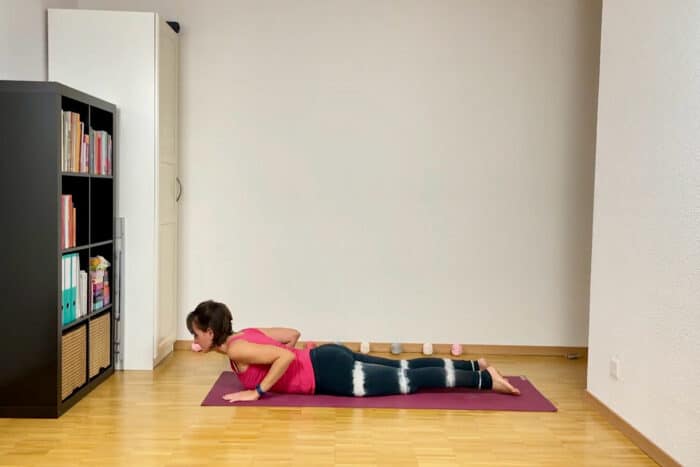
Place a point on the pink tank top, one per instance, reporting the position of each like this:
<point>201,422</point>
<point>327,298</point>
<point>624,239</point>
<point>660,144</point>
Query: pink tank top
<point>299,377</point>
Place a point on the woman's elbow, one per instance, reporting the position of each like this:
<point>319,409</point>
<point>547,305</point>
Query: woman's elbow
<point>289,356</point>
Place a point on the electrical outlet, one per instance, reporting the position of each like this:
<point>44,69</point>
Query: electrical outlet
<point>615,368</point>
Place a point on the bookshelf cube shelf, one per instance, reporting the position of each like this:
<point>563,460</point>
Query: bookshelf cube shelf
<point>57,181</point>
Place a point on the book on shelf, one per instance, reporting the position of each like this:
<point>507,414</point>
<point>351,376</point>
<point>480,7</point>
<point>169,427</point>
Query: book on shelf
<point>68,222</point>
<point>73,289</point>
<point>99,283</point>
<point>101,153</point>
<point>75,143</point>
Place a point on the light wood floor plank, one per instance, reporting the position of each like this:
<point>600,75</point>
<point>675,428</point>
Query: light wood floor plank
<point>154,418</point>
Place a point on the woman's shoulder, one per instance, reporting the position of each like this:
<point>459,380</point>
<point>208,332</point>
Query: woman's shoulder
<point>243,333</point>
<point>250,331</point>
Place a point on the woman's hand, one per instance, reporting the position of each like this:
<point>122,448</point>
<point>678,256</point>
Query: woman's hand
<point>250,395</point>
<point>286,336</point>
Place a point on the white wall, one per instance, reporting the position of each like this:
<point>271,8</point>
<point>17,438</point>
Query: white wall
<point>389,170</point>
<point>23,37</point>
<point>645,286</point>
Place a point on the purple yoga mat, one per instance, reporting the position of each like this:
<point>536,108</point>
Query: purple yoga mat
<point>529,400</point>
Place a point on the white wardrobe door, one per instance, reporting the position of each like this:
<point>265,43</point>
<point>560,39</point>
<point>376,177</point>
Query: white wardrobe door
<point>168,189</point>
<point>167,291</point>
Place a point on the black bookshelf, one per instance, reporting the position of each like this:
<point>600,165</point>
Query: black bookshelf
<point>31,184</point>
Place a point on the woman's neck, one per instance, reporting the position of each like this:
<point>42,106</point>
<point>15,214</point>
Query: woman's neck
<point>223,348</point>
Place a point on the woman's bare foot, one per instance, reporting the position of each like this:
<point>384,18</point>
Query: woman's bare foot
<point>483,364</point>
<point>500,384</point>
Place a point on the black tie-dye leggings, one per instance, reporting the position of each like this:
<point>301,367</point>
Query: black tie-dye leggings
<point>340,371</point>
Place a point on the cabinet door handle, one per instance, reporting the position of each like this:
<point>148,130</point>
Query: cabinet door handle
<point>179,189</point>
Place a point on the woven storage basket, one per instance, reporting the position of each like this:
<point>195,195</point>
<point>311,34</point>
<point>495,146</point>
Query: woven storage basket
<point>73,360</point>
<point>99,343</point>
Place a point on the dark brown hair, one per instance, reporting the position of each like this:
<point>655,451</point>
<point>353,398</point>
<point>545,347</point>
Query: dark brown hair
<point>211,315</point>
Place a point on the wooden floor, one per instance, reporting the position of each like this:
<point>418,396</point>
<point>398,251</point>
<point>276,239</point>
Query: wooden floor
<point>154,418</point>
